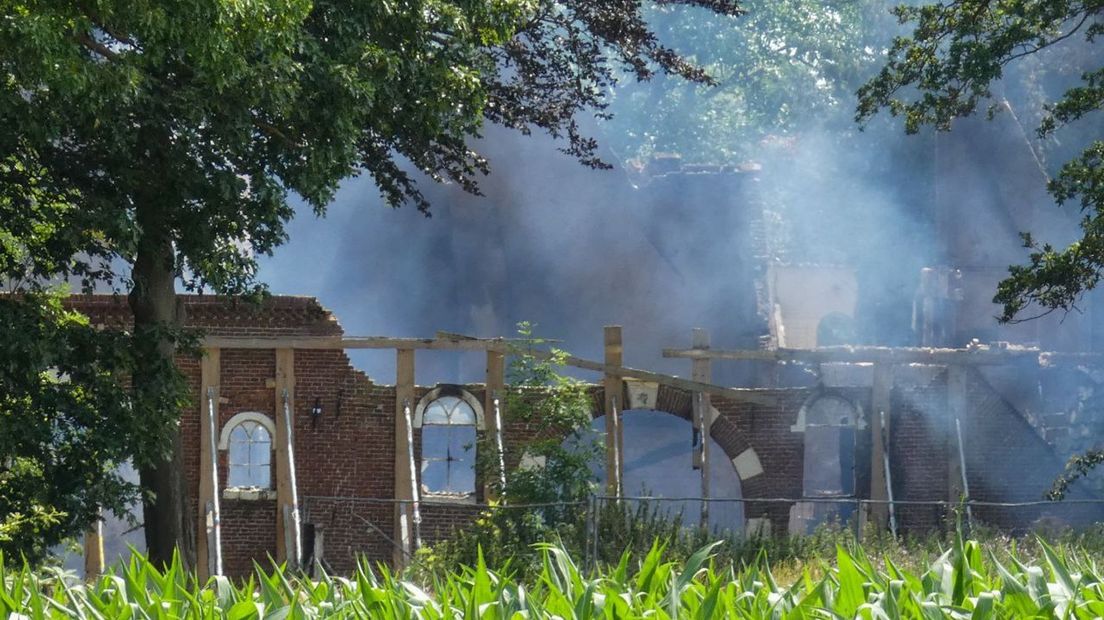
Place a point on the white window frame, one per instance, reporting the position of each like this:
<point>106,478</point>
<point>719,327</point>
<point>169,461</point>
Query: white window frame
<point>247,493</point>
<point>442,391</point>
<point>419,413</point>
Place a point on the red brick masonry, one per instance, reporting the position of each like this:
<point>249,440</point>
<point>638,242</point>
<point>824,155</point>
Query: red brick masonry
<point>345,460</point>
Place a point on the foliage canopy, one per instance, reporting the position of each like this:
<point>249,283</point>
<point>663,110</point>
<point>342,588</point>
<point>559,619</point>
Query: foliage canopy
<point>954,61</point>
<point>151,143</point>
<point>67,421</point>
<point>783,68</point>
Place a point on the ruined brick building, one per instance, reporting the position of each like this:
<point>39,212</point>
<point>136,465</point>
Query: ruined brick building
<point>292,427</point>
<point>279,371</point>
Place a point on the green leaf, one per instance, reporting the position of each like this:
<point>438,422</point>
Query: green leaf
<point>245,610</point>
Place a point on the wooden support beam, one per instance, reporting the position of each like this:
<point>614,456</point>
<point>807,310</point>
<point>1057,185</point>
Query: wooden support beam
<point>889,355</point>
<point>613,383</point>
<point>288,539</point>
<point>702,372</point>
<point>956,409</point>
<point>208,553</point>
<point>405,477</point>
<point>459,342</point>
<point>880,404</point>
<point>496,388</point>
<point>897,355</point>
<point>93,552</point>
<point>747,395</point>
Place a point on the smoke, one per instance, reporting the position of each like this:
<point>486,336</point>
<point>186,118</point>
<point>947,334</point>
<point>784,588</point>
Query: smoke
<point>661,247</point>
<point>573,249</point>
<point>660,252</point>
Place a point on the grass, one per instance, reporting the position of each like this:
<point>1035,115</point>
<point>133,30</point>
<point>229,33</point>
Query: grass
<point>967,579</point>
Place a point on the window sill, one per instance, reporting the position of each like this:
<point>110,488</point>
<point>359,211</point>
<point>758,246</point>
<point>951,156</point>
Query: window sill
<point>447,498</point>
<point>248,493</point>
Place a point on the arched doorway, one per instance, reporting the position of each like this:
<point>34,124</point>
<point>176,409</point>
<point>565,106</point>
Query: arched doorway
<point>659,463</point>
<point>831,424</point>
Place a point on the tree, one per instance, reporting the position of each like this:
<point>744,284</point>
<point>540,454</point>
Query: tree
<point>173,133</point>
<point>67,419</point>
<point>954,61</point>
<point>784,68</point>
<point>67,423</point>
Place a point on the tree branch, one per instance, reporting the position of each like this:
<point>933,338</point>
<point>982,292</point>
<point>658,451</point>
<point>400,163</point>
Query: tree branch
<point>93,45</point>
<point>101,23</point>
<point>274,131</point>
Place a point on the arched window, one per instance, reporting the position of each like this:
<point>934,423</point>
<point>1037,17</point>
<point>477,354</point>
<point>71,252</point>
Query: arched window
<point>830,423</point>
<point>448,424</point>
<point>248,440</point>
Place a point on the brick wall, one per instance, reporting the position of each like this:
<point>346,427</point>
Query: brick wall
<point>767,430</point>
<point>354,529</point>
<point>918,454</point>
<point>441,519</point>
<point>349,451</point>
<point>1008,461</point>
<point>275,316</point>
<point>345,459</point>
<point>189,427</point>
<point>248,535</point>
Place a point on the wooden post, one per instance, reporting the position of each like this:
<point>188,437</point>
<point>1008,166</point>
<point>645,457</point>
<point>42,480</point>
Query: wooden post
<point>496,388</point>
<point>702,372</point>
<point>287,530</point>
<point>207,553</point>
<point>880,403</point>
<point>404,475</point>
<point>93,552</point>
<point>956,409</point>
<point>615,457</point>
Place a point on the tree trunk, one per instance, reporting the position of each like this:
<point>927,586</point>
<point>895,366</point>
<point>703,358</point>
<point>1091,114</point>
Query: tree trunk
<point>153,303</point>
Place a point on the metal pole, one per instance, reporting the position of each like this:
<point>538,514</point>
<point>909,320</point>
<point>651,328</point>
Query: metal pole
<point>704,425</point>
<point>616,473</point>
<point>297,538</point>
<point>214,533</point>
<point>962,468</point>
<point>498,441</point>
<point>590,516</point>
<point>857,517</point>
<point>888,477</point>
<point>596,528</point>
<point>417,519</point>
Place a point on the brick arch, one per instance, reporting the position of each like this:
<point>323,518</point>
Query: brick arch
<point>673,478</point>
<point>679,402</point>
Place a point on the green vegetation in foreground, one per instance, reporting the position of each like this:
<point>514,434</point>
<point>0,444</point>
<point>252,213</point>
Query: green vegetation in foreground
<point>963,582</point>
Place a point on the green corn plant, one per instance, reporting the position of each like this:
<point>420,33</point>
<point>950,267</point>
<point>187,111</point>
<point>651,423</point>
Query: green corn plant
<point>962,582</point>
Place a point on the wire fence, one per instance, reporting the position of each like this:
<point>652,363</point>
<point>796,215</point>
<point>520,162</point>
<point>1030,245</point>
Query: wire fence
<point>362,526</point>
